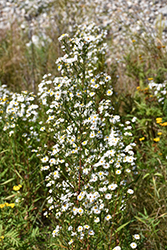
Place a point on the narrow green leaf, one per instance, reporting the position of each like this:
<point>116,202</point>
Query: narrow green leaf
<point>145,175</point>
<point>18,174</point>
<point>158,174</point>
<point>163,215</point>
<point>122,226</point>
<point>3,173</point>
<point>7,181</point>
<point>10,196</point>
<point>4,151</point>
<point>140,219</point>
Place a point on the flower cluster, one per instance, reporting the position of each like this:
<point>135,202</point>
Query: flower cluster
<point>7,205</point>
<point>159,90</point>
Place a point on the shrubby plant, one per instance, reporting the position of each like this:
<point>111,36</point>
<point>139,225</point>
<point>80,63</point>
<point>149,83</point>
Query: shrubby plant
<point>91,164</point>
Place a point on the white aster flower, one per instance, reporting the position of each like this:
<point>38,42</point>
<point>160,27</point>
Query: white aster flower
<point>50,200</point>
<point>59,67</point>
<point>109,92</point>
<point>80,197</point>
<point>108,217</point>
<point>70,242</point>
<point>108,196</point>
<point>80,210</point>
<point>118,171</point>
<point>97,220</point>
<point>108,78</point>
<point>92,134</point>
<point>136,236</point>
<point>42,128</point>
<point>133,245</point>
<point>92,94</point>
<point>44,168</point>
<point>134,119</point>
<point>75,210</point>
<point>112,186</point>
<point>130,191</point>
<point>79,229</point>
<point>56,174</point>
<point>62,36</point>
<point>106,165</point>
<point>84,143</point>
<point>45,159</point>
<point>117,248</point>
<point>91,232</point>
<point>52,161</point>
<point>101,206</point>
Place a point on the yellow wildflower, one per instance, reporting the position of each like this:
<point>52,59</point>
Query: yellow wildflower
<point>2,205</point>
<point>157,139</point>
<point>159,133</point>
<point>158,120</point>
<point>150,79</point>
<point>11,205</point>
<point>1,237</point>
<point>17,188</point>
<point>163,124</point>
<point>142,139</point>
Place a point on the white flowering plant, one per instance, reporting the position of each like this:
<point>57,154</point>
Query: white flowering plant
<point>86,153</point>
<point>90,166</point>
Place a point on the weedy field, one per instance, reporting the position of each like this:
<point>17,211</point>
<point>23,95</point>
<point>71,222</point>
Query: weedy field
<point>83,143</point>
